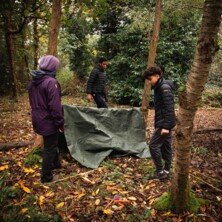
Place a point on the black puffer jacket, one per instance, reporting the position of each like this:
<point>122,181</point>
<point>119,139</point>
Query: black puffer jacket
<point>164,104</point>
<point>97,81</point>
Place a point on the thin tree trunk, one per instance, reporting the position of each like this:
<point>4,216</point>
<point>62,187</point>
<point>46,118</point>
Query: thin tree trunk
<point>151,58</point>
<point>10,53</point>
<point>188,101</point>
<point>21,59</point>
<point>36,43</point>
<point>54,27</point>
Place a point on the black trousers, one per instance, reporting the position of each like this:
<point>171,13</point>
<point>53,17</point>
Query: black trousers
<point>100,100</point>
<point>160,149</point>
<point>50,157</point>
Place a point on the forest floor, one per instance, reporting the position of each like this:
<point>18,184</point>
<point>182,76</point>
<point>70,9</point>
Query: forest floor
<point>116,191</point>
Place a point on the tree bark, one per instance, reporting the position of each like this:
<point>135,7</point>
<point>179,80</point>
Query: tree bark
<point>10,52</point>
<point>188,101</point>
<point>35,43</point>
<point>151,58</point>
<point>54,27</point>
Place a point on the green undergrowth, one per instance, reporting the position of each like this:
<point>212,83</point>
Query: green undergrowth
<point>34,157</point>
<point>212,96</point>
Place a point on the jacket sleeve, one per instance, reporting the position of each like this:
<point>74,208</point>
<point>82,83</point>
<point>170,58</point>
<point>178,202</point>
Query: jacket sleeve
<point>54,103</point>
<point>90,82</point>
<point>168,111</point>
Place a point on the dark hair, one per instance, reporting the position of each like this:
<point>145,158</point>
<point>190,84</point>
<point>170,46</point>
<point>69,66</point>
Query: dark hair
<point>154,70</point>
<point>102,59</point>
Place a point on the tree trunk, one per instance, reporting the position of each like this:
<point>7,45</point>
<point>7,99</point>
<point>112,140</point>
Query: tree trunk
<point>54,27</point>
<point>21,59</point>
<point>188,101</point>
<point>151,58</point>
<point>35,43</point>
<point>10,52</point>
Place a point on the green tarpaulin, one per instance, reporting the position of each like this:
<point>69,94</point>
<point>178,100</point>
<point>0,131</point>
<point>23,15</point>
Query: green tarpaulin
<point>92,134</point>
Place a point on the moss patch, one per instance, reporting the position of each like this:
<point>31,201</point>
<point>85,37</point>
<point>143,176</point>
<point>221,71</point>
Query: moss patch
<point>165,203</point>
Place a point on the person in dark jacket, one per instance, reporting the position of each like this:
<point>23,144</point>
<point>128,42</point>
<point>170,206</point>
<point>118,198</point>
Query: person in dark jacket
<point>46,110</point>
<point>96,85</point>
<point>165,120</point>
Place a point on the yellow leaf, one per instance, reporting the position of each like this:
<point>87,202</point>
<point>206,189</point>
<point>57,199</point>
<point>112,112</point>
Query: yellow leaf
<point>41,200</point>
<point>167,214</point>
<point>94,193</point>
<point>60,205</point>
<point>123,192</point>
<point>97,202</point>
<point>151,200</point>
<point>4,167</point>
<point>28,170</point>
<point>24,210</point>
<point>50,194</point>
<point>108,211</point>
<point>131,198</point>
<point>26,189</point>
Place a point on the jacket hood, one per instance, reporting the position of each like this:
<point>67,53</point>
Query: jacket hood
<point>38,76</point>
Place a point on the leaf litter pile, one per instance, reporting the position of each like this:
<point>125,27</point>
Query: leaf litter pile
<point>119,190</point>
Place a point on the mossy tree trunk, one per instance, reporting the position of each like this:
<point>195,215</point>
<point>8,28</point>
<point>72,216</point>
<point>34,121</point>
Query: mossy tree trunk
<point>189,99</point>
<point>152,57</point>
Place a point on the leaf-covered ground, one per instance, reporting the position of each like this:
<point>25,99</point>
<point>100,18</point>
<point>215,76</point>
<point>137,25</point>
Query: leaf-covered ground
<point>119,190</point>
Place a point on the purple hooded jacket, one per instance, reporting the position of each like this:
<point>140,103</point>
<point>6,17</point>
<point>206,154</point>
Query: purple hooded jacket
<point>45,101</point>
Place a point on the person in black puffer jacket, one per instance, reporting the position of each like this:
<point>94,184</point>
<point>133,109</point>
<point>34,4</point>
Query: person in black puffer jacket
<point>165,120</point>
<point>96,85</point>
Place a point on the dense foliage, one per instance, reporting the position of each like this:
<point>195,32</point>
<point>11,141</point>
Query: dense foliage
<point>119,30</point>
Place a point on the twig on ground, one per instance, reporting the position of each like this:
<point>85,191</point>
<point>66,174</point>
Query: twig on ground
<point>78,175</point>
<point>210,185</point>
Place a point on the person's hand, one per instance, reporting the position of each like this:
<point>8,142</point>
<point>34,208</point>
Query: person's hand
<point>89,97</point>
<point>164,132</point>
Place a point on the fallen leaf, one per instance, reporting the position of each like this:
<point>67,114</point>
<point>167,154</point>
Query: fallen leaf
<point>26,189</point>
<point>97,202</point>
<point>108,212</point>
<point>88,180</point>
<point>24,210</point>
<point>4,167</point>
<point>50,194</point>
<point>167,214</point>
<point>60,205</point>
<point>94,193</point>
<point>28,170</point>
<point>41,200</point>
<point>131,198</point>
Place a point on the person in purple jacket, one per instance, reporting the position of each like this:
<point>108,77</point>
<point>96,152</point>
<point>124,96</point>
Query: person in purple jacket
<point>47,114</point>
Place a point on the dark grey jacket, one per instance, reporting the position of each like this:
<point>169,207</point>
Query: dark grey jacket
<point>164,104</point>
<point>97,82</point>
